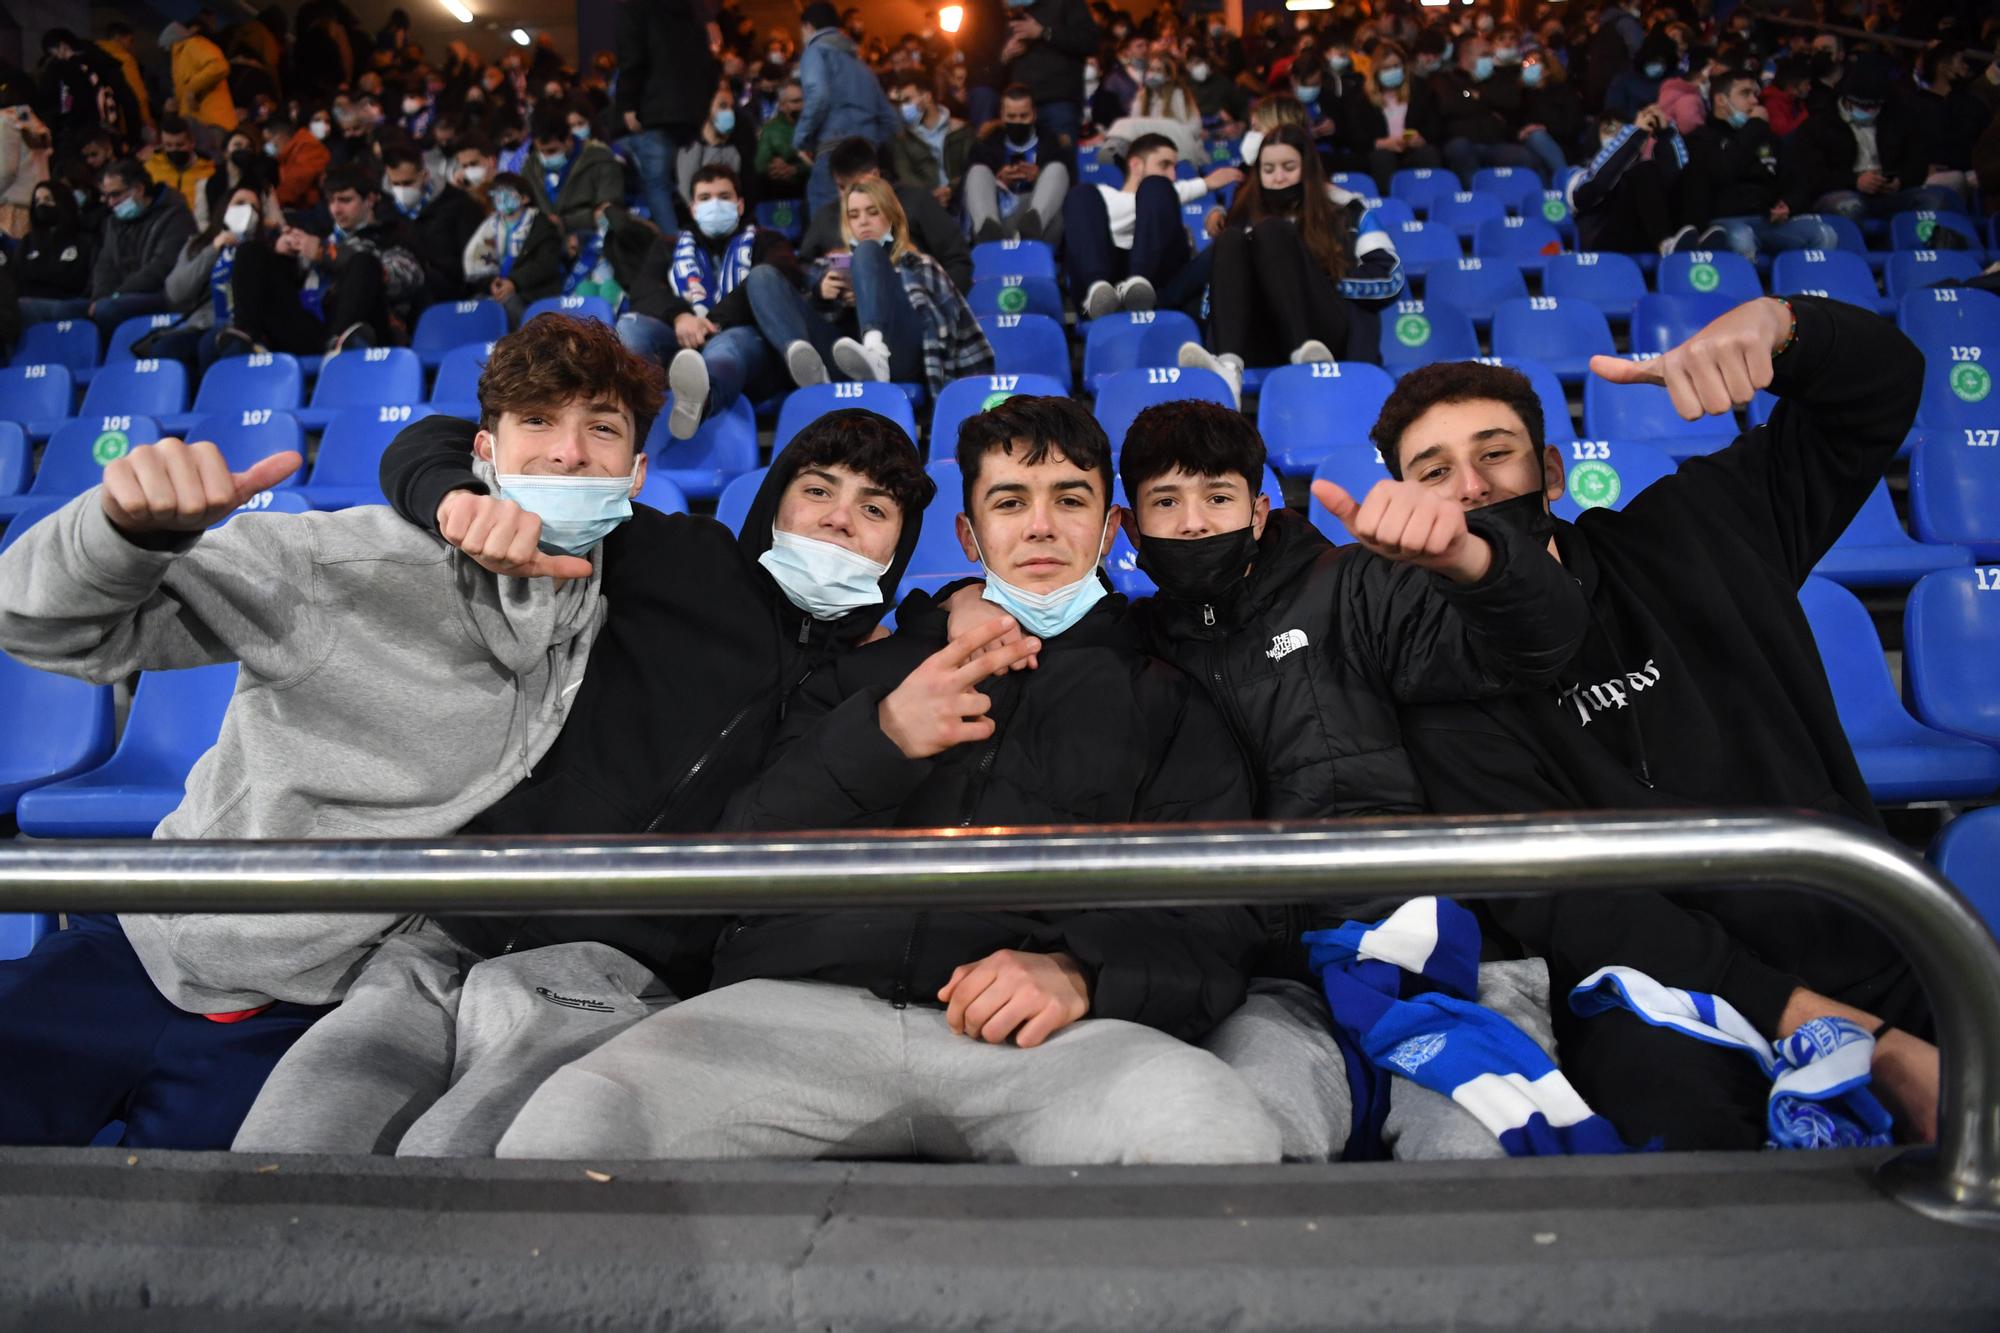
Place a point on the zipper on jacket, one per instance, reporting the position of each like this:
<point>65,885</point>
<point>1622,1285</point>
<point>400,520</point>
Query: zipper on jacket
<point>1208,616</point>
<point>701,762</point>
<point>900,995</point>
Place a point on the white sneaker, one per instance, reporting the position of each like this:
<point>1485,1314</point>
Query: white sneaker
<point>1312,349</point>
<point>1135,293</point>
<point>1673,242</point>
<point>1100,300</point>
<point>687,377</point>
<point>1228,365</point>
<point>864,360</point>
<point>802,360</point>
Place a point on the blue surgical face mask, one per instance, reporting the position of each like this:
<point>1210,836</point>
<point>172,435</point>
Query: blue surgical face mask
<point>822,579</point>
<point>1390,78</point>
<point>1307,93</point>
<point>127,210</point>
<point>576,512</point>
<point>725,120</point>
<point>506,202</point>
<point>717,217</point>
<point>1738,119</point>
<point>1046,614</point>
<point>1654,69</point>
<point>1482,68</point>
<point>554,161</point>
<point>1339,64</point>
<point>1531,76</point>
<point>1862,115</point>
<point>911,113</point>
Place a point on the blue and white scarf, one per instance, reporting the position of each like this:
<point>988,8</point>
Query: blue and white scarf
<point>219,288</point>
<point>1819,1074</point>
<point>589,258</point>
<point>694,273</point>
<point>1403,995</point>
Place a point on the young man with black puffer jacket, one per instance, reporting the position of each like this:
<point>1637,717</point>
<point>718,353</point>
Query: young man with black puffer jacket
<point>712,637</point>
<point>1039,1037</point>
<point>1698,686</point>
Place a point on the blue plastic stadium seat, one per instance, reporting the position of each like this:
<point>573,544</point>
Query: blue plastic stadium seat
<point>1875,552</point>
<point>1937,317</point>
<point>577,307</point>
<point>938,558</point>
<point>975,393</point>
<point>175,718</point>
<point>1416,333</point>
<point>1306,412</point>
<point>36,397</point>
<point>1951,639</point>
<point>1557,423</point>
<point>1092,170</point>
<point>1519,188</point>
<point>56,727</point>
<point>453,324</point>
<point>26,515</point>
<point>996,259</point>
<point>787,217</point>
<point>1762,403</point>
<point>1553,209</point>
<point>75,456</point>
<point>347,470</point>
<point>456,391</point>
<point>723,447</point>
<point>364,378</point>
<point>1562,335</point>
<point>1968,854</point>
<point>733,505</point>
<point>265,379</point>
<point>1355,469</point>
<point>267,502</point>
<point>1422,246</point>
<point>1475,286</point>
<point>17,459</point>
<point>1418,186</point>
<point>808,404</point>
<point>1900,757</point>
<point>1646,412</point>
<point>1959,387</point>
<point>1389,213</point>
<point>1955,489</point>
<point>1609,281</point>
<point>1464,210</point>
<point>1606,474</point>
<point>1709,273</point>
<point>1851,241</point>
<point>61,342</point>
<point>1116,342</point>
<point>1194,217</point>
<point>250,434</point>
<point>131,330</point>
<point>1016,294</point>
<point>152,387</point>
<point>1913,231</point>
<point>1029,345</point>
<point>1127,393</point>
<point>1529,242</point>
<point>1909,270</point>
<point>660,493</point>
<point>21,931</point>
<point>1835,273</point>
<point>1661,323</point>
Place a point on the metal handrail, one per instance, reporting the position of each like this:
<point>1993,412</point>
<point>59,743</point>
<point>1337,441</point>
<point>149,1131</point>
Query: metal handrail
<point>1127,866</point>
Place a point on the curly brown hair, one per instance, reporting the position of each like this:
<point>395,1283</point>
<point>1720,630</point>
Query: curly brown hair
<point>1453,382</point>
<point>555,359</point>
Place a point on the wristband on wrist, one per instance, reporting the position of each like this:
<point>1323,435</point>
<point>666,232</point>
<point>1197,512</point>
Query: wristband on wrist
<point>1882,1029</point>
<point>1792,333</point>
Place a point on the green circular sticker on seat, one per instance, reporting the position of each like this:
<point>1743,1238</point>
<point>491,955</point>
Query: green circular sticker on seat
<point>1554,210</point>
<point>994,399</point>
<point>1594,485</point>
<point>1013,300</point>
<point>110,447</point>
<point>1413,330</point>
<point>1971,382</point>
<point>1704,278</point>
<point>782,215</point>
<point>1925,226</point>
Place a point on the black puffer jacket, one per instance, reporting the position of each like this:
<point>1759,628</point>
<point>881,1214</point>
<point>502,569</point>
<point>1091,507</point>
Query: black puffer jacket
<point>688,681</point>
<point>1099,732</point>
<point>665,71</point>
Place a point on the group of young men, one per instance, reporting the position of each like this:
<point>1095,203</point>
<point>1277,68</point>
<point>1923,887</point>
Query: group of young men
<point>514,648</point>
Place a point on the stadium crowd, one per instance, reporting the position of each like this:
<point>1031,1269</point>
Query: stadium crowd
<point>578,664</point>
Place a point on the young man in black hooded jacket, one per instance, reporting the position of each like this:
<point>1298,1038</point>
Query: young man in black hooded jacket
<point>659,735</point>
<point>1699,685</point>
<point>1042,1037</point>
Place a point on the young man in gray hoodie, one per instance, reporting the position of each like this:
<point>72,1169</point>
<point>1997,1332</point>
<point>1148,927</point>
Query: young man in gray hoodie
<point>388,686</point>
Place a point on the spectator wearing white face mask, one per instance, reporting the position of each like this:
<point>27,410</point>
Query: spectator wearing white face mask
<point>301,154</point>
<point>442,216</point>
<point>199,288</point>
<point>724,140</point>
<point>516,256</point>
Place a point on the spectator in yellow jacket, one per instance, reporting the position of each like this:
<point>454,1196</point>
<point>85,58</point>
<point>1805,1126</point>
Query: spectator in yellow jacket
<point>176,164</point>
<point>201,81</point>
<point>118,44</point>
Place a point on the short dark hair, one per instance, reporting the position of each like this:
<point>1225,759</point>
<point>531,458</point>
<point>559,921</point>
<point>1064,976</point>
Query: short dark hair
<point>555,359</point>
<point>1452,382</point>
<point>401,155</point>
<point>909,78</point>
<point>717,171</point>
<point>872,445</point>
<point>851,157</point>
<point>349,176</point>
<point>1725,83</point>
<point>130,171</point>
<point>1017,92</point>
<point>550,121</point>
<point>1200,438</point>
<point>478,143</point>
<point>173,125</point>
<point>1145,146</point>
<point>1041,425</point>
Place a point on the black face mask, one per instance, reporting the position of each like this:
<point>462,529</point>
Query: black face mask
<point>180,159</point>
<point>1526,514</point>
<point>1285,200</point>
<point>45,216</point>
<point>1198,569</point>
<point>1018,135</point>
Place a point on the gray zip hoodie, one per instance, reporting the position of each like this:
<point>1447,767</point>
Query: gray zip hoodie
<point>387,687</point>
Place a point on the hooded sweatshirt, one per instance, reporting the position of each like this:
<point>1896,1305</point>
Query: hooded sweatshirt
<point>698,661</point>
<point>353,633</point>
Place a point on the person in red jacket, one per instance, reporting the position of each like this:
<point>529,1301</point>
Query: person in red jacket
<point>301,154</point>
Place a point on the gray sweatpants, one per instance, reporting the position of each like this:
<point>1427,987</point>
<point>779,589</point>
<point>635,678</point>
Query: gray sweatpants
<point>1279,1042</point>
<point>434,1050</point>
<point>981,193</point>
<point>803,1069</point>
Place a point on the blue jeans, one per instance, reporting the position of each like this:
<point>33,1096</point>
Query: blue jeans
<point>819,185</point>
<point>1464,157</point>
<point>737,359</point>
<point>652,152</point>
<point>1854,204</point>
<point>1548,154</point>
<point>879,304</point>
<point>1748,235</point>
<point>1057,118</point>
<point>49,309</point>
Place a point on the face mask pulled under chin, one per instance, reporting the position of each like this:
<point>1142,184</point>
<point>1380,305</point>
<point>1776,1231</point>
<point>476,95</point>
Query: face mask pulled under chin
<point>823,579</point>
<point>1198,569</point>
<point>576,512</point>
<point>1046,614</point>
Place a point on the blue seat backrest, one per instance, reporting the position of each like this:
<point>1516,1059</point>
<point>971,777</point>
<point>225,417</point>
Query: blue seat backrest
<point>370,376</point>
<point>250,433</point>
<point>16,459</point>
<point>725,442</point>
<point>63,342</point>
<point>1355,469</point>
<point>1476,286</point>
<point>1611,280</point>
<point>1955,487</point>
<point>1328,402</point>
<point>1640,412</point>
<point>1606,474</point>
<point>263,379</point>
<point>1968,854</point>
<point>131,330</point>
<point>661,494</point>
<point>75,456</point>
<point>733,506</point>
<point>785,216</point>
<point>1552,326</point>
<point>1556,418</point>
<point>1028,345</point>
<point>456,323</point>
<point>1958,385</point>
<point>1849,648</point>
<point>1909,270</point>
<point>1519,188</point>
<point>974,394</point>
<point>1951,639</point>
<point>1916,230</point>
<point>1834,273</point>
<point>351,448</point>
<point>1661,322</point>
<point>1016,294</point>
<point>938,551</point>
<point>993,259</point>
<point>175,717</point>
<point>1420,245</point>
<point>35,393</point>
<point>577,307</point>
<point>1464,210</point>
<point>805,405</point>
<point>1528,239</point>
<point>152,386</point>
<point>1418,186</point>
<point>1710,272</point>
<point>1937,317</point>
<point>1126,393</point>
<point>1114,342</point>
<point>1416,333</point>
<point>458,374</point>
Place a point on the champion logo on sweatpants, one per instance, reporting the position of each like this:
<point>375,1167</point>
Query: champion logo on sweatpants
<point>572,1002</point>
<point>1283,645</point>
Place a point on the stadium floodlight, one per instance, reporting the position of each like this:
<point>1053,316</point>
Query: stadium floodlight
<point>458,11</point>
<point>1298,5</point>
<point>950,17</point>
<point>521,38</point>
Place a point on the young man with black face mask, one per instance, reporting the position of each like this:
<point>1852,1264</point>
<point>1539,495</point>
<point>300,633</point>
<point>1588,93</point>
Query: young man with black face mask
<point>658,736</point>
<point>1039,1037</point>
<point>1698,685</point>
<point>1018,177</point>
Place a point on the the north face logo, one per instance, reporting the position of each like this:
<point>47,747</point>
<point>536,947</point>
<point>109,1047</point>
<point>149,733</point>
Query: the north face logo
<point>571,1002</point>
<point>1284,645</point>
